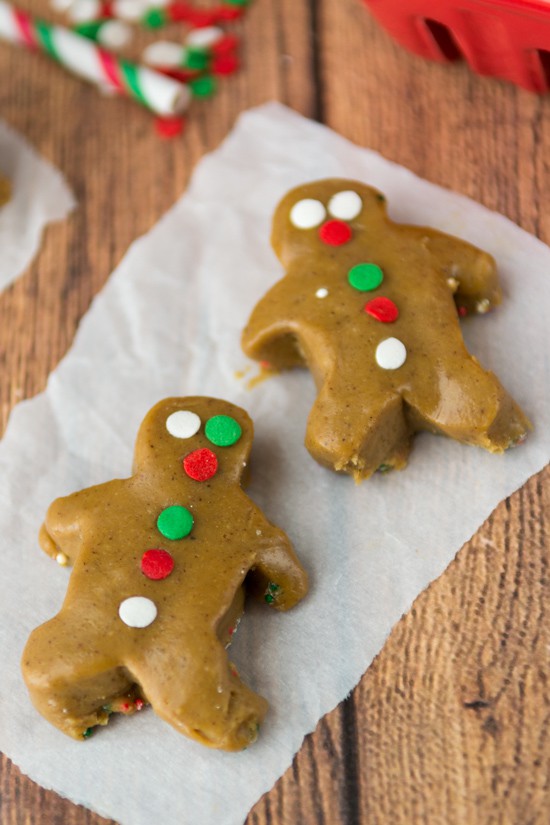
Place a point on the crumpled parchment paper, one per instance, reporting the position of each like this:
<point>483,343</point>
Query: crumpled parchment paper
<point>39,195</point>
<point>168,322</point>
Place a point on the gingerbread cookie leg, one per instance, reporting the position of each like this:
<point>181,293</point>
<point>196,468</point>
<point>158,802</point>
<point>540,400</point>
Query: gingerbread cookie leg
<point>201,694</point>
<point>357,432</point>
<point>72,684</point>
<point>474,408</point>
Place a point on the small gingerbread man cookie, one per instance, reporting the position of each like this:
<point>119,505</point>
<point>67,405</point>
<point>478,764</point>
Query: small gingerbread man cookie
<point>371,307</point>
<point>162,561</point>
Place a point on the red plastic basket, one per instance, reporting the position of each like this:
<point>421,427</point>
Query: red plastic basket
<point>509,39</point>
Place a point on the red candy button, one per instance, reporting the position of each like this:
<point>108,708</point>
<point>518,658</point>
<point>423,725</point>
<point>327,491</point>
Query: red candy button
<point>157,564</point>
<point>200,465</point>
<point>169,127</point>
<point>382,309</point>
<point>335,233</point>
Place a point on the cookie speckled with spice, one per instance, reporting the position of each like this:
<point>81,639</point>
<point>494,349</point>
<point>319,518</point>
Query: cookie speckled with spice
<point>372,308</point>
<point>162,561</point>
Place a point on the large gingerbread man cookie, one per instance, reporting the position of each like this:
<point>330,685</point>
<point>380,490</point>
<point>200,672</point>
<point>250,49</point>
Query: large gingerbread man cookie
<point>162,561</point>
<point>371,307</point>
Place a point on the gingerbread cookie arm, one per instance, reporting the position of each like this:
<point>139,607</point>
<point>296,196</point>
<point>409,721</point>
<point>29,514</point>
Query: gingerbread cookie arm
<point>271,333</point>
<point>470,273</point>
<point>61,533</point>
<point>276,575</point>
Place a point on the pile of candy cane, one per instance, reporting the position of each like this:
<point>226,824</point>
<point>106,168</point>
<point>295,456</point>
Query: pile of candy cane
<point>171,74</point>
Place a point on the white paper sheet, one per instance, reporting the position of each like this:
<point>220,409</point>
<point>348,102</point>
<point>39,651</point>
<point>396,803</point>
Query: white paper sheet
<point>39,196</point>
<point>168,322</point>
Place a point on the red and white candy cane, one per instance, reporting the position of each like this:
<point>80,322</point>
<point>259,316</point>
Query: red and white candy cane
<point>84,58</point>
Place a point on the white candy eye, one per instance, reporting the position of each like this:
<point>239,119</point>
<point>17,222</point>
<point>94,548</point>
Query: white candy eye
<point>345,205</point>
<point>307,213</point>
<point>183,424</point>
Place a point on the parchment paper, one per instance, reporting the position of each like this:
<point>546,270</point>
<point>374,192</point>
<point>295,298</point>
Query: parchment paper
<point>39,195</point>
<point>168,322</point>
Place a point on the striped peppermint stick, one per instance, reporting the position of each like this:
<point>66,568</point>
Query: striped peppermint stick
<point>161,94</point>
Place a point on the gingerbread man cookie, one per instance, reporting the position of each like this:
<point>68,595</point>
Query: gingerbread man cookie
<point>371,307</point>
<point>162,561</point>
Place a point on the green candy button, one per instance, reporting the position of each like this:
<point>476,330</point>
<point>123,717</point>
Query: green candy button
<point>203,86</point>
<point>365,277</point>
<point>222,430</point>
<point>175,522</point>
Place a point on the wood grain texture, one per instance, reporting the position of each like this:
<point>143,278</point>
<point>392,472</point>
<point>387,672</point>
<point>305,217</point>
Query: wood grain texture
<point>450,725</point>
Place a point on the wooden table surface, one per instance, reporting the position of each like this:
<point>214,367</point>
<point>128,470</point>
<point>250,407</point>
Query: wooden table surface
<point>450,725</point>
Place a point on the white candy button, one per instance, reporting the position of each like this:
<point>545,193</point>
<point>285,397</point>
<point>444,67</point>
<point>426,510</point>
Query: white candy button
<point>84,10</point>
<point>204,37</point>
<point>345,205</point>
<point>137,611</point>
<point>114,34</point>
<point>391,354</point>
<point>322,292</point>
<point>183,424</point>
<point>307,213</point>
<point>164,53</point>
<point>132,10</point>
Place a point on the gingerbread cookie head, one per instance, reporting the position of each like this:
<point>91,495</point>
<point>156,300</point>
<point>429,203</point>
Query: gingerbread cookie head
<point>372,308</point>
<point>324,215</point>
<point>209,438</point>
<point>162,562</point>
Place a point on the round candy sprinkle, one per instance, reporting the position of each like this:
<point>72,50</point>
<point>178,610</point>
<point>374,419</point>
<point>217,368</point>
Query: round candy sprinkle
<point>222,430</point>
<point>164,53</point>
<point>183,424</point>
<point>196,59</point>
<point>383,309</point>
<point>322,292</point>
<point>204,37</point>
<point>82,11</point>
<point>129,9</point>
<point>114,34</point>
<point>345,205</point>
<point>204,86</point>
<point>156,564</point>
<point>335,233</point>
<point>307,213</point>
<point>200,465</point>
<point>154,18</point>
<point>61,5</point>
<point>365,277</point>
<point>137,611</point>
<point>225,64</point>
<point>169,127</point>
<point>391,354</point>
<point>175,522</point>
